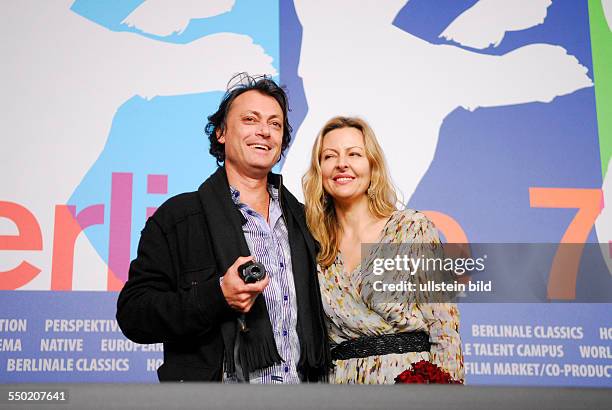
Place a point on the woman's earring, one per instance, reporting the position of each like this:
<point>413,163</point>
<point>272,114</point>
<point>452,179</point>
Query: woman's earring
<point>324,201</point>
<point>371,192</point>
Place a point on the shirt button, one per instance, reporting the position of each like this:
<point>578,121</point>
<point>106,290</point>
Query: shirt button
<point>286,369</point>
<point>282,265</point>
<point>284,333</point>
<point>286,298</point>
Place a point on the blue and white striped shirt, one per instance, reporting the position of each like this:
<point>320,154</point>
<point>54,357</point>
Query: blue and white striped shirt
<point>269,245</point>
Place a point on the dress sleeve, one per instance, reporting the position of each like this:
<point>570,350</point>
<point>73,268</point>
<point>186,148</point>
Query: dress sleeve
<point>441,318</point>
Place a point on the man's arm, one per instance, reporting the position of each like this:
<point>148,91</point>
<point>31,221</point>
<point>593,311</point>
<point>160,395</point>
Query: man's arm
<point>156,306</point>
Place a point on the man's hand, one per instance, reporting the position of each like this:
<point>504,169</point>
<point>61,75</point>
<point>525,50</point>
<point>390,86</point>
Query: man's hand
<point>239,295</point>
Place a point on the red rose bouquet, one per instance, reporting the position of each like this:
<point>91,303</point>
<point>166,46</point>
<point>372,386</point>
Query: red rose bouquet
<point>425,372</point>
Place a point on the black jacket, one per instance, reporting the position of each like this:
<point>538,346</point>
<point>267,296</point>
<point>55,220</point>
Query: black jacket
<point>173,293</point>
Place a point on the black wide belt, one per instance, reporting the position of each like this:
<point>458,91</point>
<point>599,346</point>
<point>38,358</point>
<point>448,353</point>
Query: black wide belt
<point>381,345</point>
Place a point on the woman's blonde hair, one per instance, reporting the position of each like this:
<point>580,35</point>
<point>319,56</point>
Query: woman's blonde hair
<point>320,210</point>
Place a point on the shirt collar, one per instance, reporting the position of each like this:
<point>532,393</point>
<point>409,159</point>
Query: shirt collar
<point>272,190</point>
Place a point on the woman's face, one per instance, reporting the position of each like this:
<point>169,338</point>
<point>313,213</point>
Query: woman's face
<point>345,168</point>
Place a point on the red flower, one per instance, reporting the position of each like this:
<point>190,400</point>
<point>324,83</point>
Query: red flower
<point>424,372</point>
<point>416,379</point>
<point>404,377</point>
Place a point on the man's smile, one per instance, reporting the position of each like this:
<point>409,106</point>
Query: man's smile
<point>258,146</point>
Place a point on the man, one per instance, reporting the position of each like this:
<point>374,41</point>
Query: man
<point>184,288</point>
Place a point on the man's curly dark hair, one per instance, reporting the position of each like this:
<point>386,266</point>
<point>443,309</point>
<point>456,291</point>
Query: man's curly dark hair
<point>239,84</point>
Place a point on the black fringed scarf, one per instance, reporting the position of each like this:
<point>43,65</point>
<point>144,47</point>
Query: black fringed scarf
<point>256,349</point>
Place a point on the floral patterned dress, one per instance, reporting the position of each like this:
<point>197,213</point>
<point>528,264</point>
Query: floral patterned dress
<point>351,312</point>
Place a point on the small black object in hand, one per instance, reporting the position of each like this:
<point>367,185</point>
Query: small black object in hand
<point>252,272</point>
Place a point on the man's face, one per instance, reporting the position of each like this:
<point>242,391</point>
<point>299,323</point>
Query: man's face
<point>253,134</point>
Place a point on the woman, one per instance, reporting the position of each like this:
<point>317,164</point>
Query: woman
<point>349,201</point>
